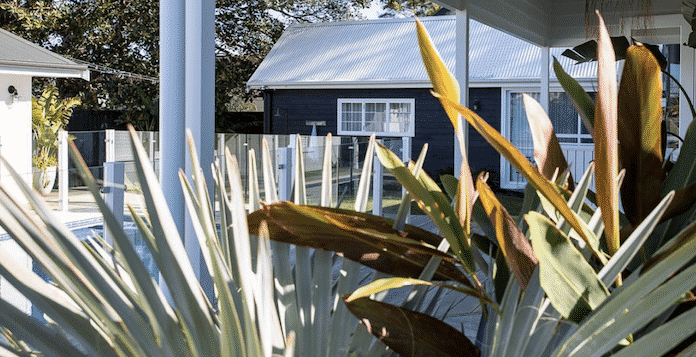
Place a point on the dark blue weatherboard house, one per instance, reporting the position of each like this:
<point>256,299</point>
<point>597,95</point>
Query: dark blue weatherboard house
<point>362,77</point>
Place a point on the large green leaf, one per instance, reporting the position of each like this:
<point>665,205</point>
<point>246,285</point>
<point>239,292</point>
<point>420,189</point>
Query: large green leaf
<point>514,245</point>
<point>361,237</point>
<point>409,333</point>
<point>605,136</point>
<point>520,162</point>
<point>639,118</point>
<point>434,203</point>
<point>582,101</point>
<point>567,278</point>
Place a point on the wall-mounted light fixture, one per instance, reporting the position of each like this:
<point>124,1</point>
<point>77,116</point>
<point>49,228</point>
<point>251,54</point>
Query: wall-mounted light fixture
<point>477,106</point>
<point>13,92</point>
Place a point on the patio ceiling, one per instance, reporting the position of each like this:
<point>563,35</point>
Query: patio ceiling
<point>555,23</point>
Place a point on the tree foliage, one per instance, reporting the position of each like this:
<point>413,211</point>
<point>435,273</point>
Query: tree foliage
<point>124,35</point>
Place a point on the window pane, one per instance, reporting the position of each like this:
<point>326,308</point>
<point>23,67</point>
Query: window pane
<point>351,116</point>
<point>563,115</point>
<point>375,116</point>
<point>520,135</point>
<point>400,117</point>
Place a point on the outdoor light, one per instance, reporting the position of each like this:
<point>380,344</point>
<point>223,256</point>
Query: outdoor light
<point>13,92</point>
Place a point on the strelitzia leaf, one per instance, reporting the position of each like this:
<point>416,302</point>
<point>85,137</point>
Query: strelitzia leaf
<point>639,118</point>
<point>547,151</point>
<point>409,333</point>
<point>361,237</point>
<point>384,284</point>
<point>515,246</point>
<point>519,161</point>
<point>442,79</point>
<point>436,206</point>
<point>570,282</point>
<point>582,101</point>
<point>605,137</point>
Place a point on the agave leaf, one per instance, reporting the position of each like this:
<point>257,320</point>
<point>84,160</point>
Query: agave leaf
<point>232,342</point>
<point>173,261</point>
<point>153,303</point>
<point>53,303</point>
<point>547,151</point>
<point>254,192</point>
<point>640,313</point>
<point>570,282</point>
<point>517,159</point>
<point>681,177</point>
<point>661,340</point>
<point>506,320</point>
<point>405,206</point>
<point>623,304</point>
<point>582,101</point>
<point>436,206</point>
<point>35,333</point>
<point>81,275</point>
<point>628,250</point>
<point>639,118</point>
<point>514,245</point>
<point>326,185</point>
<point>269,187</point>
<point>300,184</point>
<point>605,136</point>
<point>367,239</point>
<point>362,195</point>
<point>409,333</point>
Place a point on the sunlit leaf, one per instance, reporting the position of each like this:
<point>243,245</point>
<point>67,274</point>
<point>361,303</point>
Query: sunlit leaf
<point>547,151</point>
<point>605,137</point>
<point>515,246</point>
<point>566,277</point>
<point>442,79</point>
<point>433,202</point>
<point>639,118</point>
<point>409,333</point>
<point>384,284</point>
<point>520,162</point>
<point>361,237</point>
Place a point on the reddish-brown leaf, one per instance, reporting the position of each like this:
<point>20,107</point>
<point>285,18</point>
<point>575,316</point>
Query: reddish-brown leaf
<point>516,248</point>
<point>605,136</point>
<point>639,118</point>
<point>361,237</point>
<point>547,151</point>
<point>409,333</point>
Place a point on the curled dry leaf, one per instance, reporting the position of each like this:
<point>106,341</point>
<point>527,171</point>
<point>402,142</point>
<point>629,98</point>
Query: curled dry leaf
<point>361,237</point>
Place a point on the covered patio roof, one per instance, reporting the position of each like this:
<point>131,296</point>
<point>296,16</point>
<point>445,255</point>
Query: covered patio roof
<point>556,23</point>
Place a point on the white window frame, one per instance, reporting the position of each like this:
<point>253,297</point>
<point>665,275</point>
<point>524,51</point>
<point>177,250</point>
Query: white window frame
<point>410,132</point>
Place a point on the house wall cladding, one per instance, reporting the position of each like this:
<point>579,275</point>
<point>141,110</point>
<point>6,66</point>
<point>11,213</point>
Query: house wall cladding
<point>288,111</point>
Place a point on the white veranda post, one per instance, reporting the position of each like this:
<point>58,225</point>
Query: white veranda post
<point>461,73</point>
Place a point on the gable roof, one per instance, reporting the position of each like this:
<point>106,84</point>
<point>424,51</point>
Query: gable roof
<point>19,56</point>
<point>385,54</point>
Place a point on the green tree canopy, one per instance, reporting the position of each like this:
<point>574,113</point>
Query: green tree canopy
<point>124,35</point>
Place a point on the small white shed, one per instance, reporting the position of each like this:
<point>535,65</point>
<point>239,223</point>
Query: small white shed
<point>20,60</point>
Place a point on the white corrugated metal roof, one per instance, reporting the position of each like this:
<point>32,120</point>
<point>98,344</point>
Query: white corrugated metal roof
<point>384,53</point>
<point>20,56</point>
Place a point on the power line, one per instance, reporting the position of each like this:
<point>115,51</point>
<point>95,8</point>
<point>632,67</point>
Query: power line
<point>116,72</point>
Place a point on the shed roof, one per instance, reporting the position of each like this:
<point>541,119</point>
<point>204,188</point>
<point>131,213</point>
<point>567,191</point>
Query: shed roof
<point>384,53</point>
<point>19,56</point>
